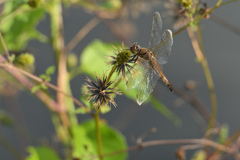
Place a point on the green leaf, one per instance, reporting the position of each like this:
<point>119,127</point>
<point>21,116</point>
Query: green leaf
<point>12,58</point>
<point>42,76</point>
<point>18,24</point>
<point>112,140</point>
<point>35,88</point>
<point>43,86</point>
<point>45,77</point>
<point>165,111</point>
<point>94,57</point>
<point>42,153</point>
<point>50,70</point>
<point>82,144</point>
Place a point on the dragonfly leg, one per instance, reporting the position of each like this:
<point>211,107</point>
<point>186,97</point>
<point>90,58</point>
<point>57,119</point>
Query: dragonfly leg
<point>135,58</point>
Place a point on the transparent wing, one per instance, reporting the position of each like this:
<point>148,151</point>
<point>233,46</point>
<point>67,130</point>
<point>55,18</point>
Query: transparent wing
<point>147,85</point>
<point>156,32</point>
<point>137,77</point>
<point>163,50</point>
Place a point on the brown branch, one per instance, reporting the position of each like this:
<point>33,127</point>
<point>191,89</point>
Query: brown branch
<point>201,108</point>
<point>203,61</point>
<point>115,30</point>
<point>52,105</point>
<point>229,142</point>
<point>81,34</point>
<point>5,48</point>
<point>58,47</point>
<point>15,72</point>
<point>205,142</point>
<point>225,24</point>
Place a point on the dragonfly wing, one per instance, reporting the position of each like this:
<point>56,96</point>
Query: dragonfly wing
<point>163,50</point>
<point>140,70</point>
<point>156,32</point>
<point>148,83</point>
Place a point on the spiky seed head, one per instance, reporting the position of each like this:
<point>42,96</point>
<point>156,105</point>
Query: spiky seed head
<point>100,92</point>
<point>123,56</point>
<point>122,60</point>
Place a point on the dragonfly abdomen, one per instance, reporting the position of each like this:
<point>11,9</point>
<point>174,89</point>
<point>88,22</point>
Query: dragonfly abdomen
<point>164,78</point>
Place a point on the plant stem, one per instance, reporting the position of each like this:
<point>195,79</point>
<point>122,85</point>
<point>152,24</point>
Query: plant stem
<point>97,119</point>
<point>203,61</point>
<point>111,73</point>
<point>48,101</point>
<point>5,48</point>
<point>55,11</point>
<point>98,133</point>
<point>81,34</point>
<point>205,142</point>
<point>229,143</point>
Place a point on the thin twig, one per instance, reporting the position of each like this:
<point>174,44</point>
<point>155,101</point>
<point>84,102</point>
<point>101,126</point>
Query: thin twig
<point>82,33</point>
<point>30,85</point>
<point>5,48</point>
<point>52,105</point>
<point>224,3</point>
<point>116,31</point>
<point>228,143</point>
<point>225,24</point>
<point>145,134</point>
<point>205,142</point>
<point>194,102</point>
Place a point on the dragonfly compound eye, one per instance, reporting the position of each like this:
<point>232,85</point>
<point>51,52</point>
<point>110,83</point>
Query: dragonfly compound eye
<point>134,48</point>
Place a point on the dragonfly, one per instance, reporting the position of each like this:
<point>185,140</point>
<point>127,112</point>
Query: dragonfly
<point>148,61</point>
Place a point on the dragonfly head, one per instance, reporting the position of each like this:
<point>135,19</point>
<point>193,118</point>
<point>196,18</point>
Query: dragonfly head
<point>134,48</point>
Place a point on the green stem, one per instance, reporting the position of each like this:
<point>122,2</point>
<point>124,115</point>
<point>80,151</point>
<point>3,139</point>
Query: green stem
<point>111,73</point>
<point>97,119</point>
<point>98,133</point>
<point>201,57</point>
<point>228,2</point>
<point>5,48</point>
<point>211,92</point>
<point>209,80</point>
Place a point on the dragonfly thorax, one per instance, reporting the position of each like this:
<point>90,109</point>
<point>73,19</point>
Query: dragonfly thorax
<point>145,53</point>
